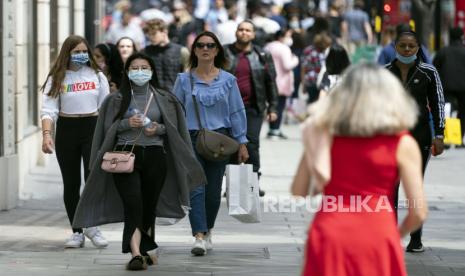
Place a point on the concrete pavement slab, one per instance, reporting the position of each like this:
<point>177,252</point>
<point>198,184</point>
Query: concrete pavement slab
<point>32,236</point>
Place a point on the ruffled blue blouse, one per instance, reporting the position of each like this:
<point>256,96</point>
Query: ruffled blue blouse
<point>220,103</point>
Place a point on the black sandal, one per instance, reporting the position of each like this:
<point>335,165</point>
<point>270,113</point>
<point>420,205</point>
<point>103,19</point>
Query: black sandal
<point>137,263</point>
<point>148,259</point>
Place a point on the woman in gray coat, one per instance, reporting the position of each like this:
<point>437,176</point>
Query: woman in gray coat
<point>165,169</point>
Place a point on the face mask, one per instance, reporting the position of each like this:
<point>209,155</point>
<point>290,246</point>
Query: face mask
<point>406,60</point>
<point>288,41</point>
<point>294,24</point>
<point>80,59</point>
<point>140,77</point>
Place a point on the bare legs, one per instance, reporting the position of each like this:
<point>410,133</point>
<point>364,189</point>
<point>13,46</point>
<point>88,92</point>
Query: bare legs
<point>135,243</point>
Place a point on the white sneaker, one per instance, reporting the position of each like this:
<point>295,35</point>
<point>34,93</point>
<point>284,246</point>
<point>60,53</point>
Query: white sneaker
<point>208,241</point>
<point>199,249</point>
<point>94,234</point>
<point>75,241</point>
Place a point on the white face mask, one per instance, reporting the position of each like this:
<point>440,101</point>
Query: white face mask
<point>294,24</point>
<point>288,41</point>
<point>140,77</point>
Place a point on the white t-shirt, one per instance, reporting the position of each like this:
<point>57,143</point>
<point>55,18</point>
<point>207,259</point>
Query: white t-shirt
<point>82,92</point>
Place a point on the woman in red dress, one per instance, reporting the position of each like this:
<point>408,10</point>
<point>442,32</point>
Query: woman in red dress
<point>356,150</point>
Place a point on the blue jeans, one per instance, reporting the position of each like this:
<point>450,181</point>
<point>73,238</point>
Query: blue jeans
<point>206,200</point>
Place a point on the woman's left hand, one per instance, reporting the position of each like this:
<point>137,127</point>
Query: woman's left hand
<point>151,129</point>
<point>243,153</point>
<point>438,146</point>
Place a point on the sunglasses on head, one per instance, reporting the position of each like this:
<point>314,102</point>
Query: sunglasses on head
<point>200,45</point>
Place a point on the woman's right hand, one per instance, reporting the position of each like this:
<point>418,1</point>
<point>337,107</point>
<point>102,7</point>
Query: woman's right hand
<point>47,144</point>
<point>136,121</point>
<point>243,154</point>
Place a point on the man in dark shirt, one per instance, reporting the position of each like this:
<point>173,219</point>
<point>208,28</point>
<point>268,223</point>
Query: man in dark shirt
<point>450,63</point>
<point>255,73</point>
<point>169,58</point>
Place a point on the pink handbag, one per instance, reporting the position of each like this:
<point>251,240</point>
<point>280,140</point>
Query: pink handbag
<point>118,161</point>
<point>122,161</point>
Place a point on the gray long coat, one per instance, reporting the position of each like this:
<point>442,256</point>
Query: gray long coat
<point>100,202</point>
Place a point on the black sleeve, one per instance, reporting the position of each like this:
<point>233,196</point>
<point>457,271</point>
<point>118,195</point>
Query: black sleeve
<point>437,61</point>
<point>436,102</point>
<point>270,84</point>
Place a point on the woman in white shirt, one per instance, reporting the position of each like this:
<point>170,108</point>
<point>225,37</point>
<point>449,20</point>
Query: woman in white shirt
<point>72,94</point>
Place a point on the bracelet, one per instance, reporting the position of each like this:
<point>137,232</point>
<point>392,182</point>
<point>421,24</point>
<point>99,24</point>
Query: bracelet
<point>45,132</point>
<point>439,136</point>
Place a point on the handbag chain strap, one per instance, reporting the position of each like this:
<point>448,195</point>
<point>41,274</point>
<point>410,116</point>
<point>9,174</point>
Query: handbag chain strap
<point>145,114</point>
<point>196,106</point>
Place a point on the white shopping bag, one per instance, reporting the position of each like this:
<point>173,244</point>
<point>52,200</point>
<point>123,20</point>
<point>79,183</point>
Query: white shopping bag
<point>166,221</point>
<point>242,193</point>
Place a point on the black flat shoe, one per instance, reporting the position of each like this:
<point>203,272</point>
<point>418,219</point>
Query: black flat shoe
<point>137,263</point>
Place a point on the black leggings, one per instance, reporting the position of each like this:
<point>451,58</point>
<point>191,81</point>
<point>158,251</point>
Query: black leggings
<point>73,142</point>
<point>423,137</point>
<point>139,192</point>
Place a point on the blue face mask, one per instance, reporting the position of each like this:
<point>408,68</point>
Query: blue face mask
<point>80,59</point>
<point>406,60</point>
<point>140,77</point>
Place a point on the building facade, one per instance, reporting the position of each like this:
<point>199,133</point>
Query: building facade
<point>32,32</point>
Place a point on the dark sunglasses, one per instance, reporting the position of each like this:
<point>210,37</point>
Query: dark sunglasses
<point>200,45</point>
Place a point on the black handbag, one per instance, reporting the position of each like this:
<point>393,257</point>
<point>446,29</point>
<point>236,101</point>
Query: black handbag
<point>212,145</point>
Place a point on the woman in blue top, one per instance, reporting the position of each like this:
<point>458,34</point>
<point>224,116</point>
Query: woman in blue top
<point>221,109</point>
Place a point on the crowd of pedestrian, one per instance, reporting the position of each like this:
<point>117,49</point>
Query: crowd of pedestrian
<point>167,72</point>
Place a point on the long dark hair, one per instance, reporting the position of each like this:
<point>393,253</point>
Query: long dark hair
<point>220,59</point>
<point>62,62</point>
<point>337,60</point>
<point>125,88</point>
<point>113,61</point>
<point>420,54</point>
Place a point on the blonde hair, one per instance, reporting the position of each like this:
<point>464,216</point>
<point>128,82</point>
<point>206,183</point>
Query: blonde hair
<point>322,40</point>
<point>369,100</point>
<point>155,25</point>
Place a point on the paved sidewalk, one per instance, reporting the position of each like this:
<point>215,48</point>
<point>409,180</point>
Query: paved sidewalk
<point>32,236</point>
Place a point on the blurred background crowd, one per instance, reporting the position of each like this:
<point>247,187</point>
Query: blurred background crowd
<point>347,21</point>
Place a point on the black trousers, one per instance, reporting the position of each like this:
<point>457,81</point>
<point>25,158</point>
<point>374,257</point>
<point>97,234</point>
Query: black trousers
<point>254,126</point>
<point>139,192</point>
<point>280,109</point>
<point>73,143</point>
<point>422,134</point>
